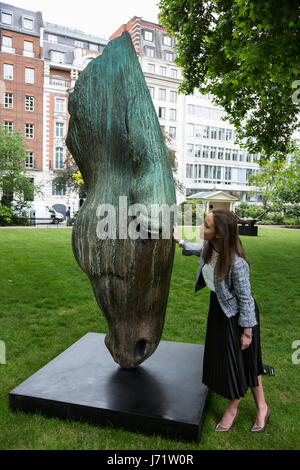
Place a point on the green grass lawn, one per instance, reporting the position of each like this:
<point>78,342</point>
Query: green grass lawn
<point>46,304</point>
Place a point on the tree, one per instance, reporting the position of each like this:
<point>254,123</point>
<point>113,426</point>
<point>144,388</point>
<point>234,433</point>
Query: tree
<point>246,54</point>
<point>14,181</point>
<point>279,183</point>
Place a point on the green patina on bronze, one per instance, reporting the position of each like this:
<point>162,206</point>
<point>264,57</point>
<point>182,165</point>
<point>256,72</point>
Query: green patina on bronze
<point>115,138</point>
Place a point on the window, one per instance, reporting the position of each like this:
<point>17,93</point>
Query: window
<point>220,154</point>
<point>8,72</point>
<point>169,56</point>
<point>29,161</point>
<point>60,105</point>
<point>167,41</point>
<point>9,126</point>
<point>162,94</point>
<point>234,155</point>
<point>242,156</point>
<point>205,151</point>
<point>221,134</point>
<point>52,38</point>
<point>6,17</point>
<point>213,133</point>
<point>190,150</point>
<point>8,100</point>
<point>58,57</point>
<point>58,189</point>
<point>227,175</point>
<point>173,114</point>
<point>148,36</point>
<point>189,171</point>
<point>213,151</point>
<point>205,132</point>
<point>173,95</point>
<point>198,151</point>
<point>151,90</point>
<point>94,47</point>
<point>191,109</point>
<point>173,73</point>
<point>29,103</point>
<point>172,131</point>
<point>29,131</point>
<point>149,51</point>
<point>29,75</point>
<point>59,129</point>
<point>59,158</point>
<point>79,44</point>
<point>28,23</point>
<point>228,134</point>
<point>197,131</point>
<point>28,49</point>
<point>227,154</point>
<point>162,113</point>
<point>151,68</point>
<point>7,44</point>
<point>163,71</point>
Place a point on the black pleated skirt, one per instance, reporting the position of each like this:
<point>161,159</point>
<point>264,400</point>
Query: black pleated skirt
<point>227,370</point>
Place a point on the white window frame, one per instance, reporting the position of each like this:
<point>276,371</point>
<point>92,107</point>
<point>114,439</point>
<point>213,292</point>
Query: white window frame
<point>173,114</point>
<point>9,126</point>
<point>29,103</point>
<point>52,38</point>
<point>58,57</point>
<point>29,161</point>
<point>59,158</point>
<point>150,68</point>
<point>149,34</point>
<point>169,56</point>
<point>59,129</point>
<point>29,131</point>
<point>28,50</point>
<point>29,75</point>
<point>8,100</point>
<point>173,96</point>
<point>8,71</point>
<point>151,51</point>
<point>172,132</point>
<point>163,71</point>
<point>167,41</point>
<point>60,105</point>
<point>162,94</point>
<point>162,112</point>
<point>93,47</point>
<point>25,19</point>
<point>7,13</point>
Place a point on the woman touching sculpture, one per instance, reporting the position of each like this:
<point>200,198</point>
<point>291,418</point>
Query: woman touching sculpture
<point>232,358</point>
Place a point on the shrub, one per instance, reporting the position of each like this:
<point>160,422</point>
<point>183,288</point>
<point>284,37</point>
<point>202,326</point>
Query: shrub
<point>5,215</point>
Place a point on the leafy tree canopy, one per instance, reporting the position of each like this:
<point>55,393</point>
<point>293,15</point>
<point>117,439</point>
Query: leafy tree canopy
<point>14,181</point>
<point>246,54</point>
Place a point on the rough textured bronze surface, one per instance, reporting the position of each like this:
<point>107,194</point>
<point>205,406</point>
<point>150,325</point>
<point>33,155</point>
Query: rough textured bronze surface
<point>115,138</point>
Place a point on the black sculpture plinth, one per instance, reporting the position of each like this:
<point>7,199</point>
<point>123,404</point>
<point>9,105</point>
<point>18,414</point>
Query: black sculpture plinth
<point>163,396</point>
<point>249,230</point>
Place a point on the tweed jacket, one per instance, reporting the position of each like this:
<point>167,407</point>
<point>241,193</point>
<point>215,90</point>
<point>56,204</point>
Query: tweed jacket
<point>234,292</point>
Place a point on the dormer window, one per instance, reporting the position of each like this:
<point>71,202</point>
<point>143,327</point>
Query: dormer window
<point>28,23</point>
<point>58,57</point>
<point>6,17</point>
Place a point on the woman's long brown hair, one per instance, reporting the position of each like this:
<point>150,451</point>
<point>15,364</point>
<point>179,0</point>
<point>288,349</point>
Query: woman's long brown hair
<point>230,244</point>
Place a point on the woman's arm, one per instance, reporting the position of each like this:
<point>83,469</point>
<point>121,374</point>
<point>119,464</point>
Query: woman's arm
<point>242,290</point>
<point>189,248</point>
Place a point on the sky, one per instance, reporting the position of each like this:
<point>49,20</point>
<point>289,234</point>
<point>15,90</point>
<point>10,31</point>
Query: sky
<point>98,17</point>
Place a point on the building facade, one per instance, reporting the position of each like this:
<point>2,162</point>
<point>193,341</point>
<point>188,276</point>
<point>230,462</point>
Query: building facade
<point>207,156</point>
<point>39,65</point>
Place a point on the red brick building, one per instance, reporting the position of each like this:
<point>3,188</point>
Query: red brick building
<point>21,76</point>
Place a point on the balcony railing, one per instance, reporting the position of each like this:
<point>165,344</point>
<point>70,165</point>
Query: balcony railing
<point>60,83</point>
